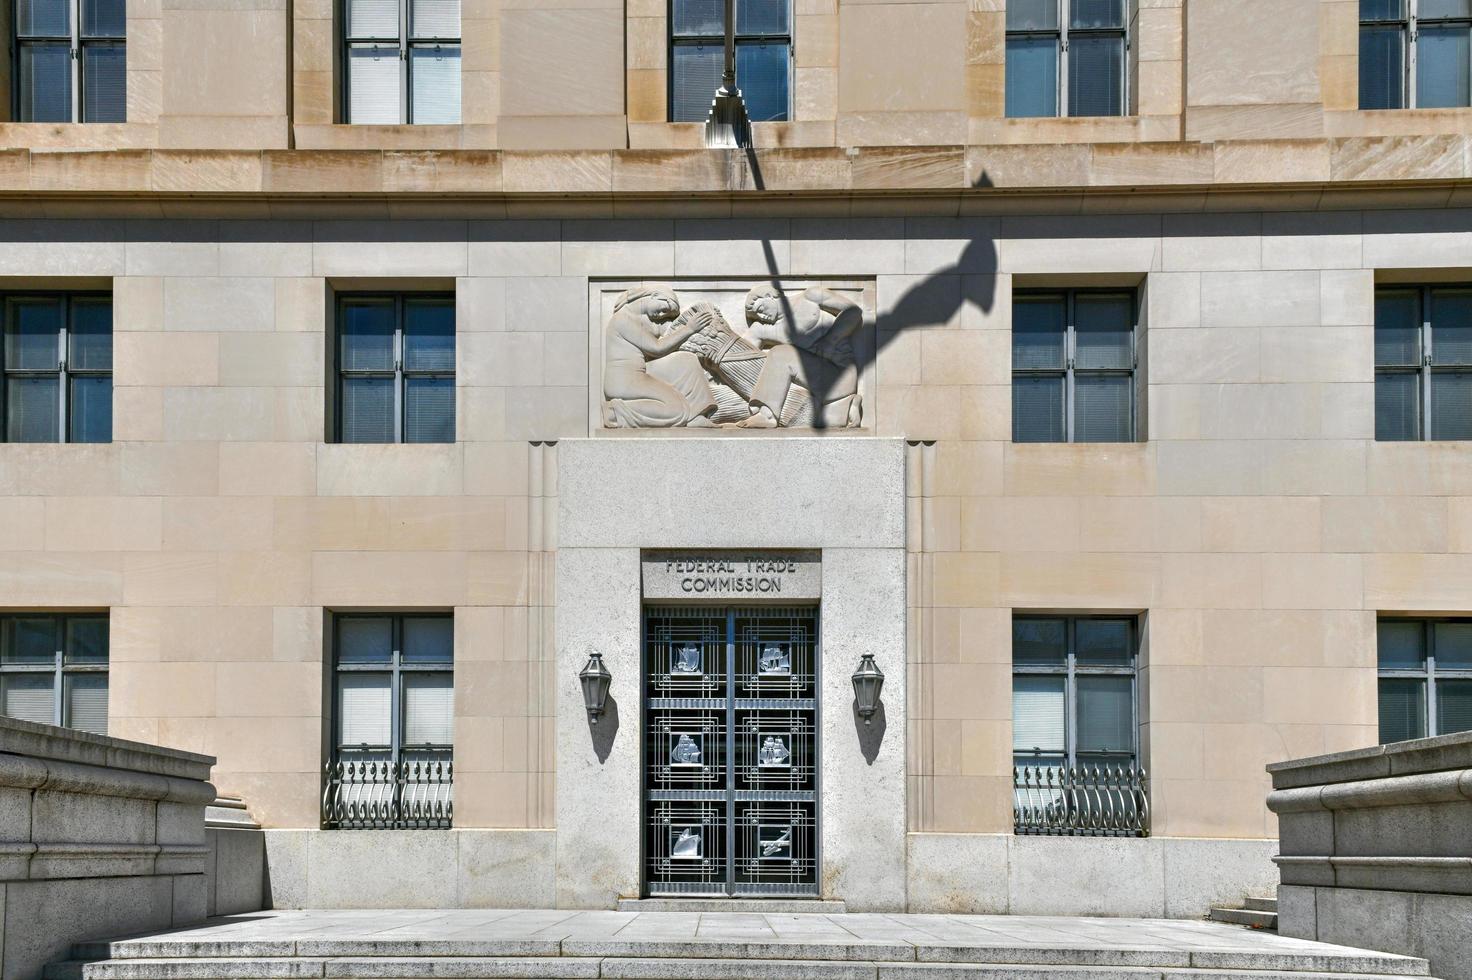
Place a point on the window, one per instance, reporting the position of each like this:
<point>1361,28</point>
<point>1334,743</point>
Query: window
<point>403,61</point>
<point>393,715</point>
<point>396,368</point>
<point>56,368</point>
<point>1067,57</point>
<point>1073,366</point>
<point>1425,677</point>
<point>1074,732</point>
<point>1415,53</point>
<point>1423,363</point>
<point>53,670</point>
<point>70,60</point>
<point>698,56</point>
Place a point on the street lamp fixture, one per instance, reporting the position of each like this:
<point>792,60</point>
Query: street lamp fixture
<point>595,679</point>
<point>868,682</point>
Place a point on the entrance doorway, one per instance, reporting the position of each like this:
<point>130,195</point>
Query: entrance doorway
<point>731,751</point>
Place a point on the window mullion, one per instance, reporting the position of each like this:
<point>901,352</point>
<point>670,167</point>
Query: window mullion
<point>1069,354</point>
<point>1413,44</point>
<point>57,692</point>
<point>399,368</point>
<point>404,62</point>
<point>75,56</point>
<point>1063,107</point>
<point>1424,368</point>
<point>1070,699</point>
<point>63,423</point>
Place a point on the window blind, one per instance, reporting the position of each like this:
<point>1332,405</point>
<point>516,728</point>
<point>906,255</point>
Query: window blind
<point>429,639</point>
<point>761,74</point>
<point>1095,75</point>
<point>104,18</point>
<point>429,709</point>
<point>1038,710</point>
<point>1402,709</point>
<point>86,703</point>
<point>364,709</point>
<point>373,84</point>
<point>1397,406</point>
<point>1453,706</point>
<point>1038,409</point>
<point>429,336</point>
<point>1103,409</point>
<point>43,18</point>
<point>375,19</point>
<point>1106,714</point>
<point>32,413</point>
<point>90,412</point>
<point>1453,645</point>
<point>45,79</point>
<point>367,410</point>
<point>1031,76</point>
<point>364,639</point>
<point>434,19</point>
<point>434,85</point>
<point>29,697</point>
<point>1451,405</point>
<point>1442,55</point>
<point>697,75</point>
<point>104,83</point>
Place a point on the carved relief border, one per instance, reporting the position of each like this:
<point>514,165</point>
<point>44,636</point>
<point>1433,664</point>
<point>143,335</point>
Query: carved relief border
<point>728,295</point>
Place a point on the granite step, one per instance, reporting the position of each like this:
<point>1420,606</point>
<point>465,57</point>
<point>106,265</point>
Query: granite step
<point>1253,918</point>
<point>646,968</point>
<point>768,905</point>
<point>1261,903</point>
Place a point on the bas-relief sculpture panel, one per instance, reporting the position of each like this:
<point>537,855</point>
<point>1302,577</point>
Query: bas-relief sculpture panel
<point>733,355</point>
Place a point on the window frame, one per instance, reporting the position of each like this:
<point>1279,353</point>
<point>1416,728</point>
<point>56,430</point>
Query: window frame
<point>400,374</point>
<point>1070,371</point>
<point>1426,369</point>
<point>63,372</point>
<point>1429,673</point>
<point>675,40</point>
<point>395,667</point>
<point>1070,670</point>
<point>59,668</point>
<point>406,42</point>
<point>1409,25</point>
<point>1062,34</point>
<point>78,44</point>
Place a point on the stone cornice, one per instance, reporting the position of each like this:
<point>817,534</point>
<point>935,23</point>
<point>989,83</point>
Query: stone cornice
<point>976,174</point>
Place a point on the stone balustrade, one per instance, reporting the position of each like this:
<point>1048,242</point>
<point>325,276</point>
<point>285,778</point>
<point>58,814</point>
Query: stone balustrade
<point>98,837</point>
<point>1376,849</point>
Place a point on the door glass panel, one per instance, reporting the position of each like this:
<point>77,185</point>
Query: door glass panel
<point>1402,709</point>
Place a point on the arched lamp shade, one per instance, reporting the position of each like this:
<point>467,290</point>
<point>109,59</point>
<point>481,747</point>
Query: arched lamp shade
<point>868,682</point>
<point>595,679</point>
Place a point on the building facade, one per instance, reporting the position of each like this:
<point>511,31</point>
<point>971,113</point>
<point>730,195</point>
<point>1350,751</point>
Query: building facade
<point>1097,371</point>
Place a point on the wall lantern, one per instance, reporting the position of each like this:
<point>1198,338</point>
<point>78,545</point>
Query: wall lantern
<point>868,682</point>
<point>595,679</point>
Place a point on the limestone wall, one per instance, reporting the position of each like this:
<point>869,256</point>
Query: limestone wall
<point>99,837</point>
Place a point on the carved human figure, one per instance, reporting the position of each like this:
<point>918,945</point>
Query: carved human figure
<point>647,380</point>
<point>809,341</point>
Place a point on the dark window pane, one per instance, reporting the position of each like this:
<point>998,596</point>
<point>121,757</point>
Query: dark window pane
<point>367,336</point>
<point>1382,68</point>
<point>1104,641</point>
<point>32,337</point>
<point>1037,409</point>
<point>43,18</point>
<point>1104,327</point>
<point>28,697</point>
<point>1084,14</point>
<point>364,639</point>
<point>1451,326</point>
<point>29,640</point>
<point>32,412</point>
<point>1106,714</point>
<point>367,410</point>
<point>86,640</point>
<point>1453,706</point>
<point>1453,644</point>
<point>86,703</point>
<point>1397,328</point>
<point>1032,15</point>
<point>1039,717</point>
<point>1442,55</point>
<point>1401,643</point>
<point>434,85</point>
<point>1381,9</point>
<point>695,18</point>
<point>1402,709</point>
<point>1102,405</point>
<point>104,18</point>
<point>104,83</point>
<point>761,74</point>
<point>90,414</point>
<point>1451,405</point>
<point>1433,9</point>
<point>759,17</point>
<point>1096,76</point>
<point>90,335</point>
<point>1037,334</point>
<point>45,78</point>
<point>429,639</point>
<point>1032,77</point>
<point>1397,406</point>
<point>1039,641</point>
<point>429,336</point>
<point>697,75</point>
<point>429,410</point>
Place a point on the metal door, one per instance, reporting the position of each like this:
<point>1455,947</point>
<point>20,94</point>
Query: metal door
<point>731,751</point>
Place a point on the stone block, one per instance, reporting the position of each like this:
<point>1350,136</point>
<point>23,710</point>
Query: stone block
<point>1297,911</point>
<point>76,910</point>
<point>1201,873</point>
<point>286,868</point>
<point>957,873</point>
<point>238,882</point>
<point>382,869</point>
<point>1086,876</point>
<point>506,868</point>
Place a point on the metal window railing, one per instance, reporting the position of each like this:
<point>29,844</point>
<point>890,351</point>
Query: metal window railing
<point>1088,801</point>
<point>364,794</point>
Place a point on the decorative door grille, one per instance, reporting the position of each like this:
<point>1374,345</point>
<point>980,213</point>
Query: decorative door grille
<point>731,751</point>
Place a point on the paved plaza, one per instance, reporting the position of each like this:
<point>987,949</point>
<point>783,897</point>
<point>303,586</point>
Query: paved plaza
<point>672,944</point>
